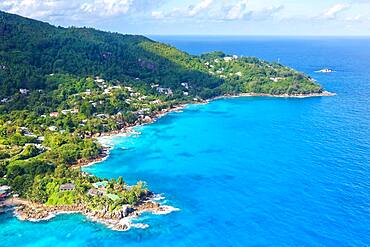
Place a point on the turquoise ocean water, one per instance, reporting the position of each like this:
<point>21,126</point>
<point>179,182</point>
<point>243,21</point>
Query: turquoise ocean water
<point>246,171</point>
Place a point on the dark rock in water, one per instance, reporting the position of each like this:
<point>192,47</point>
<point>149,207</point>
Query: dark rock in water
<point>122,227</point>
<point>127,210</point>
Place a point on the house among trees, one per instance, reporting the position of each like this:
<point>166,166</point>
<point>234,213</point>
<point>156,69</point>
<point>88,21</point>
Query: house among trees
<point>24,91</point>
<point>3,194</point>
<point>157,101</point>
<point>185,85</point>
<point>54,114</point>
<point>4,191</point>
<point>95,192</point>
<point>53,128</point>
<point>75,111</point>
<point>67,187</point>
<point>100,185</point>
<point>166,91</point>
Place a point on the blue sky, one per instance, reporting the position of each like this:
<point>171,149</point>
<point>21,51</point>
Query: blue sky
<point>204,17</point>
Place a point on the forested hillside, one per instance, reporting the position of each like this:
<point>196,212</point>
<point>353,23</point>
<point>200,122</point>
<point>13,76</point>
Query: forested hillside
<point>31,50</point>
<point>61,87</point>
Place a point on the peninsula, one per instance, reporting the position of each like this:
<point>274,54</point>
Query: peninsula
<point>60,88</point>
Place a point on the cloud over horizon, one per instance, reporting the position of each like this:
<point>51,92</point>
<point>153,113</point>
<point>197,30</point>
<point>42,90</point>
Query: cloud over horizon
<point>199,16</point>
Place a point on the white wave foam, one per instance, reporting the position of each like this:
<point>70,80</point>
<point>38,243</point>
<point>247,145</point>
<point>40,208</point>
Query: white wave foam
<point>106,141</point>
<point>139,225</point>
<point>158,197</point>
<point>165,209</point>
<point>129,224</point>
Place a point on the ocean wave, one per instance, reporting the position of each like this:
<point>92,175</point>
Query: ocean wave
<point>158,197</point>
<point>47,218</point>
<point>165,209</point>
<point>106,141</point>
<point>139,225</point>
<point>128,224</point>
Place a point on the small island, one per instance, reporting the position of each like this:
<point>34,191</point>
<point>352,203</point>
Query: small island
<point>61,88</point>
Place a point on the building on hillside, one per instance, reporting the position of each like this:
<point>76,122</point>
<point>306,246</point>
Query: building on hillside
<point>129,89</point>
<point>65,112</point>
<point>276,79</point>
<point>95,192</point>
<point>67,187</point>
<point>228,59</point>
<point>155,102</point>
<point>53,128</point>
<point>106,91</point>
<point>102,116</point>
<point>4,192</point>
<point>99,80</point>
<point>185,85</point>
<point>54,114</point>
<point>166,91</point>
<point>24,91</point>
<point>75,111</point>
<point>4,100</point>
<point>100,185</point>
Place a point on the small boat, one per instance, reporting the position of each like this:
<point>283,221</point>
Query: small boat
<point>325,71</point>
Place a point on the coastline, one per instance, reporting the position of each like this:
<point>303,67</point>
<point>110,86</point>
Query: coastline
<point>26,210</point>
<point>129,130</point>
<point>124,132</point>
<point>296,96</point>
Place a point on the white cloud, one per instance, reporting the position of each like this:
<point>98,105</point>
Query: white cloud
<point>210,10</point>
<point>361,1</point>
<point>37,8</point>
<point>241,11</point>
<point>356,18</point>
<point>190,11</point>
<point>84,10</point>
<point>203,5</point>
<point>107,7</point>
<point>267,13</point>
<point>333,11</point>
<point>236,11</point>
<point>158,14</point>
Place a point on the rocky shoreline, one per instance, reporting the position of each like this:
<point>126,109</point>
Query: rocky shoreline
<point>300,96</point>
<point>119,220</point>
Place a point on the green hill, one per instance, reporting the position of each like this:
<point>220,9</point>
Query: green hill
<point>61,87</point>
<point>30,50</point>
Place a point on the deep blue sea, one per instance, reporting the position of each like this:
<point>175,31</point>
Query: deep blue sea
<point>247,171</point>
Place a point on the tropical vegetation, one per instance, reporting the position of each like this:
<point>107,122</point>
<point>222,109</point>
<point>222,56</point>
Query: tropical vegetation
<point>61,87</point>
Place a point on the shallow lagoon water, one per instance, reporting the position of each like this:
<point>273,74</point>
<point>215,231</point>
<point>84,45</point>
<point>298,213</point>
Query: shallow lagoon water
<point>245,171</point>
